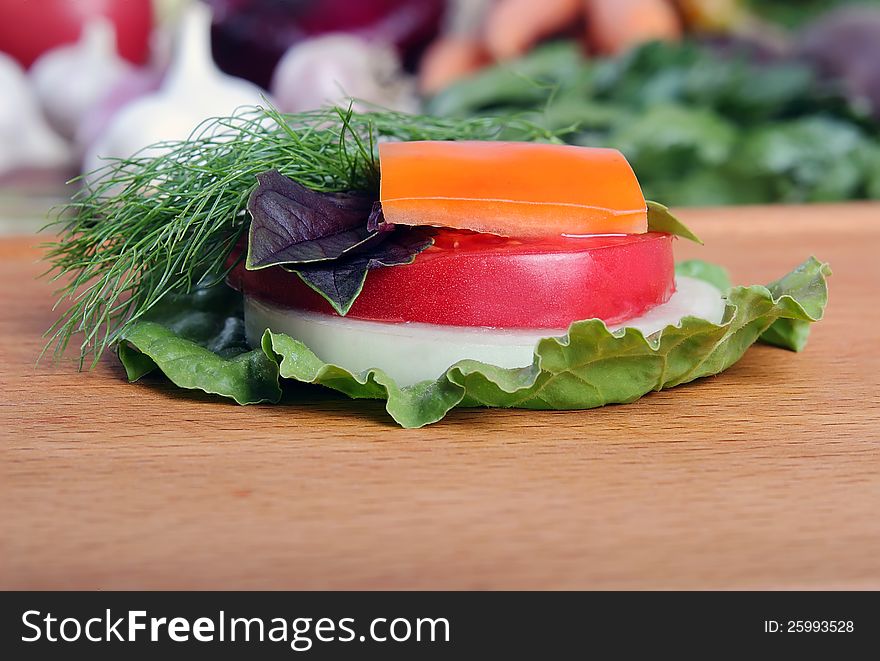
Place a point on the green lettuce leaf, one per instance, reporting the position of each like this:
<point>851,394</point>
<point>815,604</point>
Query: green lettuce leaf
<point>791,332</point>
<point>591,366</point>
<point>197,340</point>
<point>660,219</point>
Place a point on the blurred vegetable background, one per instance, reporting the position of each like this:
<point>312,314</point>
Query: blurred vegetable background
<point>700,125</point>
<point>713,101</point>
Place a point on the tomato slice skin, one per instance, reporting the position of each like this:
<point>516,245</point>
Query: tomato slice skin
<point>469,279</point>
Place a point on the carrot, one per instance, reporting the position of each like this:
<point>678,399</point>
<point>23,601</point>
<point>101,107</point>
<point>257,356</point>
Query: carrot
<point>616,25</point>
<point>448,59</point>
<point>510,188</point>
<point>514,26</point>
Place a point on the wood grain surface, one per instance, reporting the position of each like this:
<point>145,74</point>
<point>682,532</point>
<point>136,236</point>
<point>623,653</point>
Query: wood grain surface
<point>765,476</point>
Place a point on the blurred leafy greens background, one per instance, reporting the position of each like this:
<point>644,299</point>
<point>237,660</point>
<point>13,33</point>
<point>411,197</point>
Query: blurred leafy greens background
<point>796,12</point>
<point>701,125</point>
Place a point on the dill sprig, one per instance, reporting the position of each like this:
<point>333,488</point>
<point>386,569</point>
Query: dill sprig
<point>145,227</point>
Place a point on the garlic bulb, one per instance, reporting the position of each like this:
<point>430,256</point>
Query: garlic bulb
<point>71,80</point>
<point>333,68</point>
<point>25,138</point>
<point>132,86</point>
<point>193,90</point>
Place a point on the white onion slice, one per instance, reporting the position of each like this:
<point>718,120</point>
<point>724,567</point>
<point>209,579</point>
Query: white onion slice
<point>413,352</point>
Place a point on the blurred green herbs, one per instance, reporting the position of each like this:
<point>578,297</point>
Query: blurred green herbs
<point>700,126</point>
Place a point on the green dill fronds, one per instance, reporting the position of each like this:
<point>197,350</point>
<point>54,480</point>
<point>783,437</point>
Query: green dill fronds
<point>144,227</point>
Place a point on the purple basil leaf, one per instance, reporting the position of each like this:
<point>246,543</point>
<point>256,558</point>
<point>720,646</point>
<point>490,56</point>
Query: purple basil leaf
<point>294,224</point>
<point>342,280</point>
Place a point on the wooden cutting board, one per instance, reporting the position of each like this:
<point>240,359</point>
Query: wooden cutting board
<point>765,476</point>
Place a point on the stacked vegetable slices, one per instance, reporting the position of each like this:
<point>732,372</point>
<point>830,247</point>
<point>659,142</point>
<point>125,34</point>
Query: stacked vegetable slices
<point>530,237</point>
<point>343,258</point>
<point>198,341</point>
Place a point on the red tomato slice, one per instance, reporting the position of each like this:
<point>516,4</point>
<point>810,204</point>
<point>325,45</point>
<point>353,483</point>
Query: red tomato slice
<point>469,279</point>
